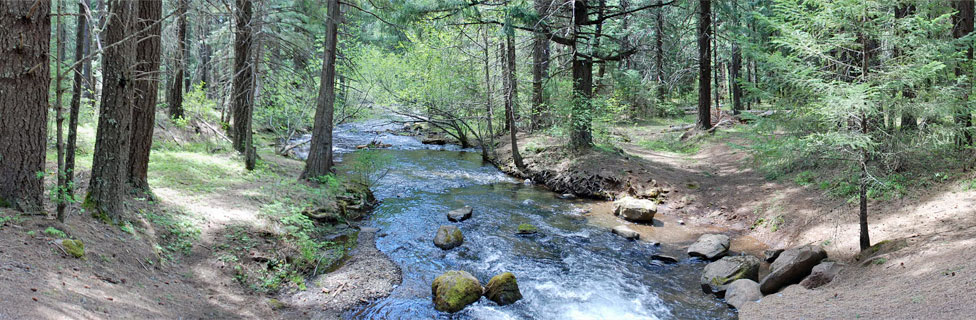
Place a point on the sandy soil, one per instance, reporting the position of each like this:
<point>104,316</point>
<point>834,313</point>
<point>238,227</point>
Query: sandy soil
<point>717,190</point>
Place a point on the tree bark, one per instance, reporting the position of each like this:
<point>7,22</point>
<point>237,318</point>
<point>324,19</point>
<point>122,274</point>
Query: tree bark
<point>319,161</point>
<point>110,163</point>
<point>704,121</point>
<point>486,149</point>
<point>205,51</point>
<point>540,68</point>
<point>175,96</point>
<point>77,92</point>
<point>659,53</point>
<point>24,81</point>
<point>581,117</point>
<point>962,25</point>
<point>511,97</point>
<point>243,85</point>
<point>146,93</point>
<point>59,117</point>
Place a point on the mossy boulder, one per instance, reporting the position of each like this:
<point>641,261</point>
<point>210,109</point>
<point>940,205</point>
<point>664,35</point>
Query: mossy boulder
<point>719,274</point>
<point>276,304</point>
<point>454,290</point>
<point>526,228</point>
<point>448,237</point>
<point>75,248</point>
<point>503,289</point>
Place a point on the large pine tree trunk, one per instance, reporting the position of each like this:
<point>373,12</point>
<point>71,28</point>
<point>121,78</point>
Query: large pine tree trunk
<point>203,68</point>
<point>511,97</point>
<point>110,163</point>
<point>81,50</point>
<point>734,74</point>
<point>704,121</point>
<point>540,68</point>
<point>962,25</point>
<point>175,96</point>
<point>581,117</point>
<point>319,161</point>
<point>243,85</point>
<point>659,53</point>
<point>62,37</point>
<point>147,91</point>
<point>24,81</point>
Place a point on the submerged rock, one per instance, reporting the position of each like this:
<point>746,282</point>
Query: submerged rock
<point>567,196</point>
<point>454,290</point>
<point>822,274</point>
<point>710,246</point>
<point>741,291</point>
<point>434,140</point>
<point>448,237</point>
<point>75,248</point>
<point>791,266</point>
<point>719,274</point>
<point>664,258</point>
<point>633,209</point>
<point>503,289</point>
<point>526,229</point>
<point>460,214</point>
<point>625,232</point>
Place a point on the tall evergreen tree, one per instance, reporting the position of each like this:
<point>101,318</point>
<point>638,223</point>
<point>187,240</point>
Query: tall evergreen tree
<point>146,92</point>
<point>319,161</point>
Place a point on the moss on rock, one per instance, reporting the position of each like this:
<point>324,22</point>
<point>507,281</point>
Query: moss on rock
<point>526,228</point>
<point>75,248</point>
<point>503,289</point>
<point>454,290</point>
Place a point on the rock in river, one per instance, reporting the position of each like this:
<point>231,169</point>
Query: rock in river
<point>526,229</point>
<point>448,237</point>
<point>741,291</point>
<point>791,266</point>
<point>710,246</point>
<point>460,214</point>
<point>633,209</point>
<point>503,289</point>
<point>454,290</point>
<point>719,274</point>
<point>822,274</point>
<point>626,232</point>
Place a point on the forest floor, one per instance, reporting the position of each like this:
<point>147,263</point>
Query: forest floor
<point>209,244</point>
<point>923,269</point>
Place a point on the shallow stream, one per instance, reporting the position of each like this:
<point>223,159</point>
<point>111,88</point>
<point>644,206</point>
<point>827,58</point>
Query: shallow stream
<point>571,269</point>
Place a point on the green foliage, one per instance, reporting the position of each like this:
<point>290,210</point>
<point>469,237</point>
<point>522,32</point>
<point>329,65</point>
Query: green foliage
<point>54,232</point>
<point>368,167</point>
<point>178,232</point>
<point>671,142</point>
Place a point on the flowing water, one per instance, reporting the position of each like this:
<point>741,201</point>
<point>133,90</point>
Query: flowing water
<point>571,269</point>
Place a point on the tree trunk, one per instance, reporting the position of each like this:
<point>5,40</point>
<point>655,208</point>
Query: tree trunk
<point>659,53</point>
<point>581,116</point>
<point>203,68</point>
<point>540,68</point>
<point>24,81</point>
<point>736,68</point>
<point>241,104</point>
<point>962,25</point>
<point>147,91</point>
<point>490,109</point>
<point>704,121</point>
<point>319,161</point>
<point>865,238</point>
<point>175,96</point>
<point>59,111</point>
<point>511,97</point>
<point>250,152</point>
<point>77,91</point>
<point>110,163</point>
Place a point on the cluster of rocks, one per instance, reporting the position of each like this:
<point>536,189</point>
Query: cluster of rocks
<point>454,290</point>
<point>736,278</point>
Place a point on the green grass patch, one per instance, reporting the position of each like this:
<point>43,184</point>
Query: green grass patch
<point>671,142</point>
<point>194,172</point>
<point>178,234</point>
<point>54,232</point>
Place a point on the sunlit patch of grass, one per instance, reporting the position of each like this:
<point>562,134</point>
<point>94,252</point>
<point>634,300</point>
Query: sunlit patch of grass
<point>671,142</point>
<point>194,172</point>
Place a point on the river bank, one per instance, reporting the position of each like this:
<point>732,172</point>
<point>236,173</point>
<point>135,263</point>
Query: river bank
<point>716,190</point>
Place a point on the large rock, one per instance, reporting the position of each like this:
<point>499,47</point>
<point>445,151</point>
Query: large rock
<point>822,274</point>
<point>460,214</point>
<point>791,266</point>
<point>741,291</point>
<point>772,254</point>
<point>503,289</point>
<point>710,246</point>
<point>454,290</point>
<point>448,237</point>
<point>633,209</point>
<point>719,274</point>
<point>625,232</point>
<point>526,229</point>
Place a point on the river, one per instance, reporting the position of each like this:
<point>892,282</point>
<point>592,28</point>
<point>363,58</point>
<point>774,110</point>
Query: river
<point>571,269</point>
